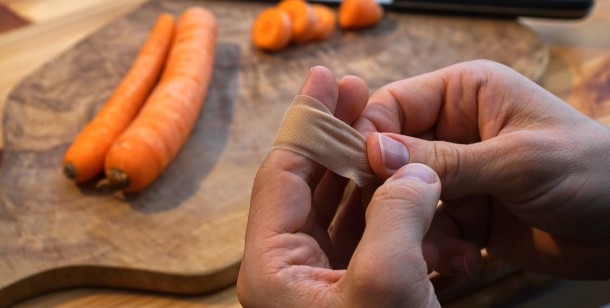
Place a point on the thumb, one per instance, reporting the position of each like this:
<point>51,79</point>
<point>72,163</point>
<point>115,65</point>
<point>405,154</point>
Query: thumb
<point>464,169</point>
<point>388,266</point>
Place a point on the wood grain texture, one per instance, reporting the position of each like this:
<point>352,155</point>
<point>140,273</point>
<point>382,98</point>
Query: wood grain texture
<point>49,10</point>
<point>579,68</point>
<point>86,297</point>
<point>184,233</point>
<point>25,49</point>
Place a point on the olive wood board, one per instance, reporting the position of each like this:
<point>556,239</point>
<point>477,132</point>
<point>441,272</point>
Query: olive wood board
<point>184,233</point>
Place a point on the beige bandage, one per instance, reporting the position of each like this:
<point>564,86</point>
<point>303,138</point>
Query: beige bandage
<point>310,129</point>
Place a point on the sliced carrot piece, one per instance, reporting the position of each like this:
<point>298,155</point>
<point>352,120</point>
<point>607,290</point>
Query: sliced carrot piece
<point>326,19</point>
<point>357,14</point>
<point>272,30</point>
<point>302,17</point>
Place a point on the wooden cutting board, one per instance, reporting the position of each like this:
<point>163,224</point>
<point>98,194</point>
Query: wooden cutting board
<point>184,233</point>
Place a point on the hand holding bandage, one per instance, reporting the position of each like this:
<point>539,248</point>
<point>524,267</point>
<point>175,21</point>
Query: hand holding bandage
<point>524,175</point>
<point>292,256</point>
<point>310,129</point>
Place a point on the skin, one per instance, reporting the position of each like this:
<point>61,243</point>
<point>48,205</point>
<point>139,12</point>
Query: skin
<point>523,175</point>
<point>289,252</point>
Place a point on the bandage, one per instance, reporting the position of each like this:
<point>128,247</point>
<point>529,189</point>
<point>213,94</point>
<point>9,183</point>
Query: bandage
<point>310,129</point>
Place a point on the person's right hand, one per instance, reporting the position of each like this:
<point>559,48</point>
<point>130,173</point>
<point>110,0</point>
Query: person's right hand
<point>523,173</point>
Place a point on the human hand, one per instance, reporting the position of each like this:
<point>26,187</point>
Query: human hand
<point>289,253</point>
<point>523,173</point>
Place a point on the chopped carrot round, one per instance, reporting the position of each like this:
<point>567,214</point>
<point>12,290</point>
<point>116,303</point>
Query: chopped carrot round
<point>326,19</point>
<point>357,14</point>
<point>272,30</point>
<point>302,17</point>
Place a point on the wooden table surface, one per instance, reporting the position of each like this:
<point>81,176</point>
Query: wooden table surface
<point>34,31</point>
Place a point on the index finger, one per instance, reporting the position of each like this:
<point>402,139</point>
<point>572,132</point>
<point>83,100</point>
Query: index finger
<point>281,195</point>
<point>448,104</point>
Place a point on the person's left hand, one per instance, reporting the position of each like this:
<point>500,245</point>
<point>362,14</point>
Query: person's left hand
<point>291,260</point>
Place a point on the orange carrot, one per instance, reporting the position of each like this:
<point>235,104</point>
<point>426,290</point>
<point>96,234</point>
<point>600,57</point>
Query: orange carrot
<point>272,30</point>
<point>326,20</point>
<point>156,135</point>
<point>85,157</point>
<point>356,14</point>
<point>302,17</point>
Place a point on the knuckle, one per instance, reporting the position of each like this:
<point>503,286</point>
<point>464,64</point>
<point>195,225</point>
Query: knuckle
<point>367,282</point>
<point>379,281</point>
<point>445,160</point>
<point>382,117</point>
<point>485,64</point>
<point>478,74</point>
<point>404,198</point>
<point>483,67</point>
<point>396,190</point>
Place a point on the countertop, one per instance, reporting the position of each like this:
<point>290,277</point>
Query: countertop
<point>34,31</point>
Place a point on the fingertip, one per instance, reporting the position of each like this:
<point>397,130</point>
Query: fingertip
<point>464,258</point>
<point>355,83</point>
<point>386,155</point>
<point>373,152</point>
<point>321,85</point>
<point>353,96</point>
<point>468,263</point>
<point>417,171</point>
<point>352,78</point>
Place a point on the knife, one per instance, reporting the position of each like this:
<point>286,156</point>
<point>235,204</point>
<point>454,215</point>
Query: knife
<point>561,9</point>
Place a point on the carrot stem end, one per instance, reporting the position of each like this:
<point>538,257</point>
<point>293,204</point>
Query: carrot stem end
<point>117,178</point>
<point>69,171</point>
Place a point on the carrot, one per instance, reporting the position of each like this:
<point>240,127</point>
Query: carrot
<point>326,20</point>
<point>156,135</point>
<point>356,14</point>
<point>303,19</point>
<point>272,30</point>
<point>85,157</point>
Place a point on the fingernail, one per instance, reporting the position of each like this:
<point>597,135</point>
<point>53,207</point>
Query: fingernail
<point>393,153</point>
<point>306,81</point>
<point>418,172</point>
<point>459,264</point>
<point>309,73</point>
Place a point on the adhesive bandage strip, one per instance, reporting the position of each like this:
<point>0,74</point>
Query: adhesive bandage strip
<point>310,129</point>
